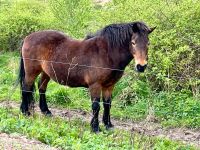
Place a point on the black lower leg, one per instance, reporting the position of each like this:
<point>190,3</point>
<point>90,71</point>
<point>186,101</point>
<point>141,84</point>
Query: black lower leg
<point>27,99</point>
<point>43,103</point>
<point>106,113</point>
<point>24,104</point>
<point>95,109</point>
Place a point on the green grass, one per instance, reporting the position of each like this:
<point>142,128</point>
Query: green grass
<point>8,75</point>
<point>76,134</point>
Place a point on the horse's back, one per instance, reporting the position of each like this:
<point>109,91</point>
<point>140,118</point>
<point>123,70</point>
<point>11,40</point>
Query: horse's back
<point>41,44</point>
<point>45,38</point>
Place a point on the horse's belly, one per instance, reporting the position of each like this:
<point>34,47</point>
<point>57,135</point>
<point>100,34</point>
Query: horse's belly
<point>76,81</point>
<point>63,75</point>
<point>72,79</point>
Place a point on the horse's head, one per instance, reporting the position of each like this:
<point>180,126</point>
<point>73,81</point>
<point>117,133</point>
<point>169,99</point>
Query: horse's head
<point>139,47</point>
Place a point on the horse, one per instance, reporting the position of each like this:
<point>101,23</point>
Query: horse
<point>96,62</point>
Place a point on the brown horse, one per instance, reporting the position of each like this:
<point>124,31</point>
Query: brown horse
<point>97,63</point>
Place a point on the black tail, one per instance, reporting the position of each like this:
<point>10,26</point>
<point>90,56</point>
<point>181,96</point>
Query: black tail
<point>21,75</point>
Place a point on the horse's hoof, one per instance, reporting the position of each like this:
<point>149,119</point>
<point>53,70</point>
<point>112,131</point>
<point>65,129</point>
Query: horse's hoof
<point>47,113</point>
<point>27,113</point>
<point>109,126</point>
<point>96,130</point>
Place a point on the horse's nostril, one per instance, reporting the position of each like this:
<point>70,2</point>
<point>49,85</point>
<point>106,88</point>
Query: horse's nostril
<point>141,68</point>
<point>138,66</point>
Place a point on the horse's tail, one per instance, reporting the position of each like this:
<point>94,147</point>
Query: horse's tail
<point>21,75</point>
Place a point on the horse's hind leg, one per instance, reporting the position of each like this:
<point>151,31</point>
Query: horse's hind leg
<point>27,94</point>
<point>42,89</point>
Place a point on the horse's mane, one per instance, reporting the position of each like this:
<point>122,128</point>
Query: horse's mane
<point>119,35</point>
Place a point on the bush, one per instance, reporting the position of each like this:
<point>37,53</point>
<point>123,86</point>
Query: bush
<point>174,56</point>
<point>20,19</point>
<point>74,16</point>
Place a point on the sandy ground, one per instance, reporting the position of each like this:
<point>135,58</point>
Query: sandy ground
<point>19,142</point>
<point>101,2</point>
<point>150,128</point>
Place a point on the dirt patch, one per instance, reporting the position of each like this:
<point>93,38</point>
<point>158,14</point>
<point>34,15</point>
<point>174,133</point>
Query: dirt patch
<point>184,135</point>
<point>17,142</point>
<point>101,2</point>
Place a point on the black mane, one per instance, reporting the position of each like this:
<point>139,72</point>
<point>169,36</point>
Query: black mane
<point>119,35</point>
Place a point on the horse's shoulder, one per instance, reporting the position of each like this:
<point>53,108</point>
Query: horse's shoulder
<point>101,43</point>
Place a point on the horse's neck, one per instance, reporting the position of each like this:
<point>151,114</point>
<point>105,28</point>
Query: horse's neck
<point>121,58</point>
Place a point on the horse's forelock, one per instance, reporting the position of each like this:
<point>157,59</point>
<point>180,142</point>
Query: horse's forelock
<point>140,27</point>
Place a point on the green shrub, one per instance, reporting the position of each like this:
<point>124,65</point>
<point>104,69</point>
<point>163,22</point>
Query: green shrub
<point>20,19</point>
<point>74,16</point>
<point>175,46</point>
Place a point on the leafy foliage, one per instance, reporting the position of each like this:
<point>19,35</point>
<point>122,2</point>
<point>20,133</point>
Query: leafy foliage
<point>74,16</point>
<point>20,19</point>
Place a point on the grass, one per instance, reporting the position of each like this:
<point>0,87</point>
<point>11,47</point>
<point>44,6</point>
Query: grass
<point>76,134</point>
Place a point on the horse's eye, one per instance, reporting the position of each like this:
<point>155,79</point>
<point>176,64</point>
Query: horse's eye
<point>133,43</point>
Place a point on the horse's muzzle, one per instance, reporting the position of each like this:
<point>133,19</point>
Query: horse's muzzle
<point>140,68</point>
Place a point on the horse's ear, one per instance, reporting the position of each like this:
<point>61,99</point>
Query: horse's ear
<point>135,27</point>
<point>151,29</point>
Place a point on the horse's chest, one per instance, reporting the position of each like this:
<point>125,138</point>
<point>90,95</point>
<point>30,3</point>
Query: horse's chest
<point>113,77</point>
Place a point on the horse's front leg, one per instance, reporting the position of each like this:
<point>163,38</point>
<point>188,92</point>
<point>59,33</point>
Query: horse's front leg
<point>107,93</point>
<point>42,86</point>
<point>95,91</point>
